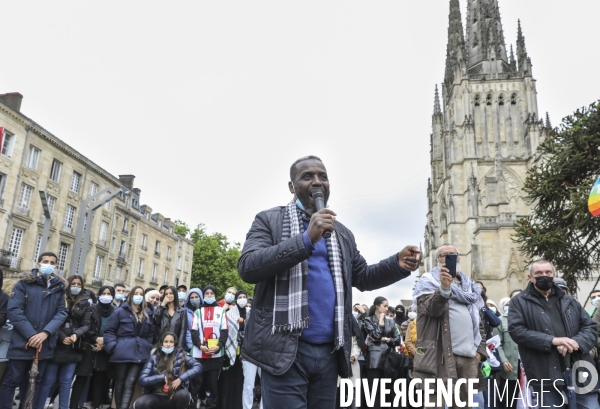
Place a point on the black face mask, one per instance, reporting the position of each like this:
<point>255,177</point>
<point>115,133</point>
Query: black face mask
<point>544,283</point>
<point>399,314</point>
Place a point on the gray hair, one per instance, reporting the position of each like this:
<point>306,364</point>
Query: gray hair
<point>540,261</point>
<point>437,251</point>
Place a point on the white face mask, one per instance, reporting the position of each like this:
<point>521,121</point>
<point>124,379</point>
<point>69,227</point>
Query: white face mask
<point>412,315</point>
<point>241,302</point>
<point>355,314</point>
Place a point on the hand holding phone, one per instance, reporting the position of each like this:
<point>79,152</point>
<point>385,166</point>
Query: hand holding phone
<point>451,264</point>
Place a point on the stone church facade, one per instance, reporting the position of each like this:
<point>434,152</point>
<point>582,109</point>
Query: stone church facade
<point>485,131</point>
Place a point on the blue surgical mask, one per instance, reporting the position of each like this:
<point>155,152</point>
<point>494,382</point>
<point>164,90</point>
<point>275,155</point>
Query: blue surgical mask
<point>168,350</point>
<point>195,302</point>
<point>46,269</point>
<point>300,205</point>
<point>119,297</point>
<point>137,299</point>
<point>181,296</point>
<point>229,298</point>
<point>595,301</point>
<point>506,309</point>
<point>75,290</point>
<point>209,300</point>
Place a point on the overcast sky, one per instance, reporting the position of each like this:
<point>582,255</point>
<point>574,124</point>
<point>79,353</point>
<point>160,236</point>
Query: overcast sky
<point>208,103</point>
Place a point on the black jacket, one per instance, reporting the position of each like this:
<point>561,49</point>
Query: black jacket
<point>530,326</point>
<point>265,255</point>
<point>178,324</point>
<point>377,351</point>
<point>78,322</point>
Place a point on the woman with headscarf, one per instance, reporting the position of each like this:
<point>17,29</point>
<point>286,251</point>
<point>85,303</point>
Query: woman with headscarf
<point>128,339</point>
<point>231,381</point>
<point>192,303</point>
<point>95,360</point>
<point>209,335</point>
<point>70,345</point>
<point>400,315</point>
<point>152,299</point>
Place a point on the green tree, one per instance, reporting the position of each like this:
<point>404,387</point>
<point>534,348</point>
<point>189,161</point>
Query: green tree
<point>560,228</point>
<point>215,262</point>
<point>181,228</point>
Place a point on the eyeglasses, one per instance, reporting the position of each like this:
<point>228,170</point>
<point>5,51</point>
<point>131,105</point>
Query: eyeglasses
<point>447,254</point>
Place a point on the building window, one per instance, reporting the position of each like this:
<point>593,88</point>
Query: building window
<point>55,171</point>
<point>103,231</point>
<point>107,204</point>
<point>154,268</point>
<point>8,142</point>
<point>93,188</point>
<point>75,182</point>
<point>37,249</point>
<point>140,273</point>
<point>69,216</point>
<point>33,158</point>
<point>24,199</point>
<point>122,250</point>
<point>125,222</point>
<point>157,248</point>
<point>488,99</point>
<point>477,100</point>
<point>98,266</point>
<point>513,99</point>
<point>107,275</point>
<point>118,274</point>
<point>144,239</point>
<point>112,245</point>
<point>169,253</point>
<point>16,238</point>
<point>166,278</point>
<point>501,100</point>
<point>62,256</point>
<point>147,215</point>
<point>178,262</point>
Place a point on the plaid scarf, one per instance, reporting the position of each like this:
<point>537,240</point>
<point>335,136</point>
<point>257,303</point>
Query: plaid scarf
<point>291,292</point>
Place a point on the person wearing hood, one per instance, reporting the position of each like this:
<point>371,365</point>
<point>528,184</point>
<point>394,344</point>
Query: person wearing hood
<point>170,317</point>
<point>234,392</point>
<point>70,346</point>
<point>152,299</point>
<point>401,316</point>
<point>131,328</point>
<point>37,308</point>
<point>95,360</point>
<point>192,303</point>
<point>209,335</point>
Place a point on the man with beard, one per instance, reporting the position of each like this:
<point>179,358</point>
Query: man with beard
<point>448,313</point>
<point>553,331</point>
<point>299,331</point>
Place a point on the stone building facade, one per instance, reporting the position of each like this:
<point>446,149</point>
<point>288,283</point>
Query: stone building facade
<point>129,244</point>
<point>485,133</point>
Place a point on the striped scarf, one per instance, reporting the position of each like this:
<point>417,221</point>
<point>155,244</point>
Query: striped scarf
<point>291,292</point>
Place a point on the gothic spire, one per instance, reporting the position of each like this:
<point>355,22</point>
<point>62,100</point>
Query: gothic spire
<point>512,61</point>
<point>455,50</point>
<point>485,38</point>
<point>548,124</point>
<point>522,56</point>
<point>437,110</point>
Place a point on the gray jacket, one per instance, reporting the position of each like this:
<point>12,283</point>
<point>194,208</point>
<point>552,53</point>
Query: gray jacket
<point>265,255</point>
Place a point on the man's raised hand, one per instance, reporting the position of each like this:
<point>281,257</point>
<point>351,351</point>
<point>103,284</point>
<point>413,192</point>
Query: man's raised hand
<point>409,258</point>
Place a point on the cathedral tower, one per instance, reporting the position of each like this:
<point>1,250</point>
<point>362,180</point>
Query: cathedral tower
<point>485,133</point>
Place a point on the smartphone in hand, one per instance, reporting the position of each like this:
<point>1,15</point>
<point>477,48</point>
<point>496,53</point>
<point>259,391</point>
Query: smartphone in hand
<point>451,264</point>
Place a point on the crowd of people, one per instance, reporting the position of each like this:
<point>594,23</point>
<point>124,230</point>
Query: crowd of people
<point>152,348</point>
<point>519,349</point>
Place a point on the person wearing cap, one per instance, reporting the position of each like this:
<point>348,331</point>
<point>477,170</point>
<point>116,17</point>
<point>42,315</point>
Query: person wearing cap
<point>562,284</point>
<point>209,335</point>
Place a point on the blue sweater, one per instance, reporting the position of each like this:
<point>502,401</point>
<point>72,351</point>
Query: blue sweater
<point>321,293</point>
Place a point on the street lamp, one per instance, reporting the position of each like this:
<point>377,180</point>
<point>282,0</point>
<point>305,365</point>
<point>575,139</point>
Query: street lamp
<point>47,221</point>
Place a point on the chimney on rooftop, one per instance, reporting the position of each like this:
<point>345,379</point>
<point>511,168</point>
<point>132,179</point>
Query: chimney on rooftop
<point>127,181</point>
<point>13,100</point>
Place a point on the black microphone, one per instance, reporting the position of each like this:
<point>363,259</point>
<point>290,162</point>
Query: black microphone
<point>319,199</point>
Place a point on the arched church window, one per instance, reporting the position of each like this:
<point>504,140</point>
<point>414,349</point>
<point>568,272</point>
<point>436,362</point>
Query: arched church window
<point>477,100</point>
<point>501,100</point>
<point>488,99</point>
<point>513,99</point>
